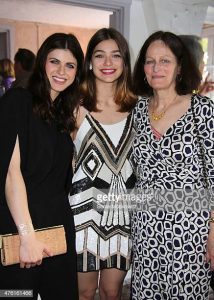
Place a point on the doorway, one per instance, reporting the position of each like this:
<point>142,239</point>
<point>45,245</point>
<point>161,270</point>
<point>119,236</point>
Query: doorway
<point>5,45</point>
<point>120,17</point>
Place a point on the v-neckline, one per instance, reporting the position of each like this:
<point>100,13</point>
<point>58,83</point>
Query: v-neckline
<point>122,139</point>
<point>189,110</point>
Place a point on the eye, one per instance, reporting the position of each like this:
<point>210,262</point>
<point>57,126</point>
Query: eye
<point>117,55</point>
<point>98,56</point>
<point>54,61</point>
<point>70,66</point>
<point>165,61</point>
<point>149,62</point>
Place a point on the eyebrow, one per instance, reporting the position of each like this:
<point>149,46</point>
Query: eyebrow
<point>165,55</point>
<point>68,62</point>
<point>113,51</point>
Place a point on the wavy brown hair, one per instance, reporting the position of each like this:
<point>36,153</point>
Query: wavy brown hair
<point>124,96</point>
<point>61,110</point>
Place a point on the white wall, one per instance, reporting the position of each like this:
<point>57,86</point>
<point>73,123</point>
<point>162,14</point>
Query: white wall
<point>138,28</point>
<point>210,14</point>
<point>178,16</point>
<point>181,17</point>
<point>53,13</point>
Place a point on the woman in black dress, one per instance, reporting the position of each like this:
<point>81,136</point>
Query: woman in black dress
<point>36,151</point>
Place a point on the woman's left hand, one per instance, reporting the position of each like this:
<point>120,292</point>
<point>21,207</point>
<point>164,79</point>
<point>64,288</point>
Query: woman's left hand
<point>210,247</point>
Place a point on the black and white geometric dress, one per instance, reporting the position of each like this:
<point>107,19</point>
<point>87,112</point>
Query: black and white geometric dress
<point>170,224</point>
<point>103,169</point>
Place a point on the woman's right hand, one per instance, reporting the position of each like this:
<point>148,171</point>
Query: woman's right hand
<point>207,86</point>
<point>210,247</point>
<point>32,251</point>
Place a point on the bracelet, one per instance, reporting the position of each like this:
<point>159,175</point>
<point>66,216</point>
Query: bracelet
<point>211,220</point>
<point>25,228</point>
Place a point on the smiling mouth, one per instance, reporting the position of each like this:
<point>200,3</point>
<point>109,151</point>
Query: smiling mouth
<point>157,77</point>
<point>58,79</point>
<point>108,71</point>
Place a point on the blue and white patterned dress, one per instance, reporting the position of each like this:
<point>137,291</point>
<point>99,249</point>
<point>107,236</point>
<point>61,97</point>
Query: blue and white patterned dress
<point>170,230</point>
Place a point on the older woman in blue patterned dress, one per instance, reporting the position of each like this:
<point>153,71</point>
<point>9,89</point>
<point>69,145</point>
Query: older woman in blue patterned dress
<point>173,149</point>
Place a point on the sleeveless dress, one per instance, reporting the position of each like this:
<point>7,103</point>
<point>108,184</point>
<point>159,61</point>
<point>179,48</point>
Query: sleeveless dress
<point>103,172</point>
<point>46,155</point>
<point>170,229</point>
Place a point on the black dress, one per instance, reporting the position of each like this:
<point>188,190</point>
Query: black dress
<point>46,154</point>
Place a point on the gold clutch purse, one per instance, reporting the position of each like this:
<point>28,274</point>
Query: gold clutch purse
<point>54,237</point>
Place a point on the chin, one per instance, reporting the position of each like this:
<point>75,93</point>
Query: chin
<point>60,89</point>
<point>158,87</point>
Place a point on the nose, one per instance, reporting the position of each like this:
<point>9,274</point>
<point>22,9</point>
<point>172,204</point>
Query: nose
<point>61,69</point>
<point>156,66</point>
<point>107,61</point>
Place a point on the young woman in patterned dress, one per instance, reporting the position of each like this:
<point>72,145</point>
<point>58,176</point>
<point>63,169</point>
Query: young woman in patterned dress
<point>170,231</point>
<point>103,167</point>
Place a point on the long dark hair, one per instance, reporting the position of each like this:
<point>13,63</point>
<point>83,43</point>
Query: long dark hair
<point>189,77</point>
<point>123,96</point>
<point>61,109</point>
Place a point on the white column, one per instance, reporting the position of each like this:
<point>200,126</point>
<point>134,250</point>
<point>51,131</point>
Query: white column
<point>180,17</point>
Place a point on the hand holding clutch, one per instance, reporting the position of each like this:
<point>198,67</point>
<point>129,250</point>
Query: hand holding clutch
<point>54,237</point>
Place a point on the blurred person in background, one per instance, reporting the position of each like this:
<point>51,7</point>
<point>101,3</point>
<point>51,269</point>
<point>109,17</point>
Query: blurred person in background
<point>23,65</point>
<point>193,44</point>
<point>7,73</point>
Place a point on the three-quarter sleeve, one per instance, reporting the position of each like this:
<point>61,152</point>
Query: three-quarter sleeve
<point>207,132</point>
<point>14,121</point>
<point>205,121</point>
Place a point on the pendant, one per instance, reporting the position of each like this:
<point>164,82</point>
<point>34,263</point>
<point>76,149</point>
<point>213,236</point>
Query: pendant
<point>157,117</point>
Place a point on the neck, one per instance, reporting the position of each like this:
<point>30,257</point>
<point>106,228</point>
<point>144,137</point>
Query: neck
<point>107,104</point>
<point>105,94</point>
<point>105,86</point>
<point>161,99</point>
<point>159,105</point>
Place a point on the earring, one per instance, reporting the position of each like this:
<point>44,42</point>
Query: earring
<point>90,66</point>
<point>145,80</point>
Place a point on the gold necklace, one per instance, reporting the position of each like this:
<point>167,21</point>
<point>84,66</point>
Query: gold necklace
<point>157,117</point>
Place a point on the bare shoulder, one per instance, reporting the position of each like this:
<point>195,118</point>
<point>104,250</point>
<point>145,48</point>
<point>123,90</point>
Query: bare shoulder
<point>79,114</point>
